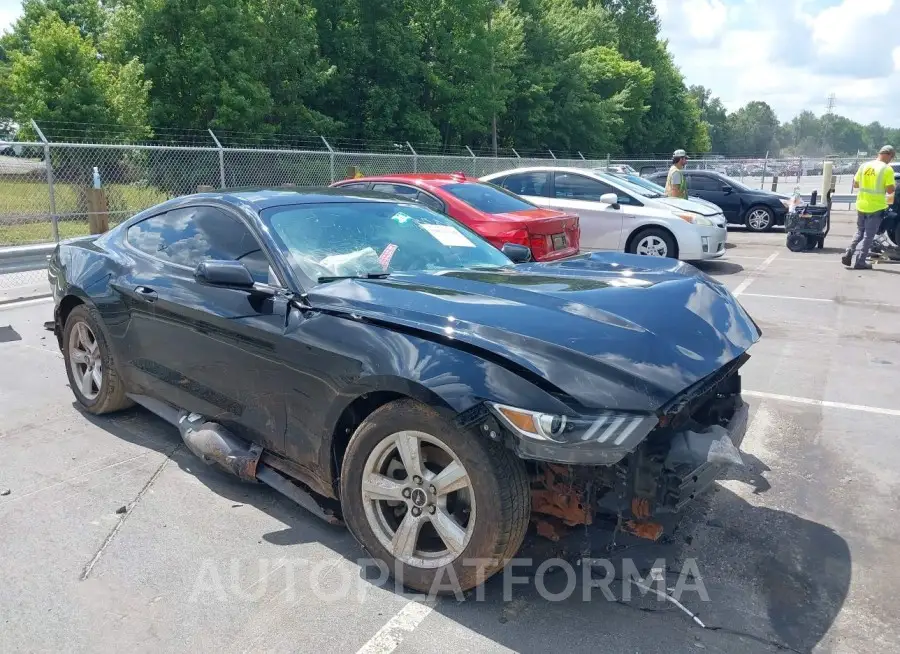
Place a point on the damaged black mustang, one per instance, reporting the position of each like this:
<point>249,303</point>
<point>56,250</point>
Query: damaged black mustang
<point>387,368</point>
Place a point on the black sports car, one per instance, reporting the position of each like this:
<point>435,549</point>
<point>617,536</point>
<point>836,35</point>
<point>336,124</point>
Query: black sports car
<point>386,367</point>
<point>758,209</point>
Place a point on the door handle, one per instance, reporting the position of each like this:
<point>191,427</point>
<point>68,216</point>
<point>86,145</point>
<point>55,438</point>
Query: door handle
<point>146,293</point>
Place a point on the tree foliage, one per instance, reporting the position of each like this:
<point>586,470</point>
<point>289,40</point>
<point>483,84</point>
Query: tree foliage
<point>566,75</point>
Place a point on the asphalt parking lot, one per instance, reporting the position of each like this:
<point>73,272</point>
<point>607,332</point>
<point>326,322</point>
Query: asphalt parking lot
<point>114,537</point>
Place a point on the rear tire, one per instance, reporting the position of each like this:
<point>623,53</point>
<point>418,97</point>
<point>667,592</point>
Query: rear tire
<point>428,533</point>
<point>93,375</point>
<point>654,242</point>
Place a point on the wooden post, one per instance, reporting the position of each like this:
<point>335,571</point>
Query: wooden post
<point>98,211</point>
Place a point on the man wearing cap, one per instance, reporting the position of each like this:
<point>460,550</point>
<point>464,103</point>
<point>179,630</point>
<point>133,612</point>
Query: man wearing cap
<point>874,181</point>
<point>676,182</point>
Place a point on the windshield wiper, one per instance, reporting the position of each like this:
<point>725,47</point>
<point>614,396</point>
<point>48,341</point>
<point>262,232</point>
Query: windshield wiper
<point>335,278</point>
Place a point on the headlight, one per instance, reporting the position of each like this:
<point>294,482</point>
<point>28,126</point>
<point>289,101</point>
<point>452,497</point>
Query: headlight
<point>610,428</point>
<point>786,203</point>
<point>695,219</point>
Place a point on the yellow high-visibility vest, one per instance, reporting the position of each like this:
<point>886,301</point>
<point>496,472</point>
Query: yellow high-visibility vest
<point>872,178</point>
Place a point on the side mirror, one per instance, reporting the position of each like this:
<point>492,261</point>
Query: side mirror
<point>727,188</point>
<point>231,274</point>
<point>611,199</point>
<point>516,253</point>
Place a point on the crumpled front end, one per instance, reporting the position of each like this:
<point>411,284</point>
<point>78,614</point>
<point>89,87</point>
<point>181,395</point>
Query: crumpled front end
<point>698,435</point>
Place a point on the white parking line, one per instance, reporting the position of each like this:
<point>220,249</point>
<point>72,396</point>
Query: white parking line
<point>753,274</point>
<point>822,403</point>
<point>394,631</point>
<point>789,297</point>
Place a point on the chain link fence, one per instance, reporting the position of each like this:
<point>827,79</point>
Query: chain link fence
<point>45,188</point>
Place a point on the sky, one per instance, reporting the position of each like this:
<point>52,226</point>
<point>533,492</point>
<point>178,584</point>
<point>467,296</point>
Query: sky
<point>790,53</point>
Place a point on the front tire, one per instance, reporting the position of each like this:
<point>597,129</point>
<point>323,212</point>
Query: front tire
<point>760,219</point>
<point>441,507</point>
<point>654,242</point>
<point>90,365</point>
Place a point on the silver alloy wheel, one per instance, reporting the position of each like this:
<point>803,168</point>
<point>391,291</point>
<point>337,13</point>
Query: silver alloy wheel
<point>652,246</point>
<point>85,359</point>
<point>758,219</point>
<point>418,499</point>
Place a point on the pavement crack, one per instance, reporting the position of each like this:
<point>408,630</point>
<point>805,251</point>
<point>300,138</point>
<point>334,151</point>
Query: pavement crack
<point>124,516</point>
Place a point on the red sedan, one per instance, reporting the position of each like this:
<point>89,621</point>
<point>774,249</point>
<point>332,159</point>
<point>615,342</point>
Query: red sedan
<point>494,213</point>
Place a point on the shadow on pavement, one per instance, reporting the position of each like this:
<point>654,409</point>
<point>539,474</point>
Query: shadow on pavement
<point>719,267</point>
<point>775,581</point>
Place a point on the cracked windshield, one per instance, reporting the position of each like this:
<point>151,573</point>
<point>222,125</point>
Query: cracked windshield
<point>359,240</point>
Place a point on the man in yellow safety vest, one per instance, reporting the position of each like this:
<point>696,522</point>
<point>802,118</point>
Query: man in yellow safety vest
<point>676,182</point>
<point>874,181</point>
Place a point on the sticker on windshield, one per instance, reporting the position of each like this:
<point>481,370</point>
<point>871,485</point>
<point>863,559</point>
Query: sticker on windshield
<point>401,217</point>
<point>385,257</point>
<point>448,235</point>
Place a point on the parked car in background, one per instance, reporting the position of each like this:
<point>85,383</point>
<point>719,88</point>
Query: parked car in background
<point>758,209</point>
<point>618,215</point>
<point>496,214</point>
<point>621,168</point>
<point>387,368</point>
<point>661,190</point>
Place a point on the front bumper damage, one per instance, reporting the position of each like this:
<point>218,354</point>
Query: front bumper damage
<point>697,440</point>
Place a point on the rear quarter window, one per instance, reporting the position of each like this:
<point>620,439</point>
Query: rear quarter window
<point>487,197</point>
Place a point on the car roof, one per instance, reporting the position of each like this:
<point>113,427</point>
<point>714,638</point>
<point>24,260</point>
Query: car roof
<point>432,179</point>
<point>260,198</point>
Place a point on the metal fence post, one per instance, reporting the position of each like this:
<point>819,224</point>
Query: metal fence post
<point>415,157</point>
<point>762,182</point>
<point>581,155</point>
<point>221,160</point>
<point>51,190</point>
<point>607,160</point>
<point>551,153</point>
<point>330,157</point>
<point>474,169</point>
<point>515,153</point>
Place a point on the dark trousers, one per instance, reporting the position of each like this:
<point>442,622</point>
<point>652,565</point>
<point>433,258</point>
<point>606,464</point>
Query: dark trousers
<point>867,225</point>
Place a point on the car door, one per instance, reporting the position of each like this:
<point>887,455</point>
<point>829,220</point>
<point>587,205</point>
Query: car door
<point>601,224</point>
<point>202,348</point>
<point>713,189</point>
<point>533,186</point>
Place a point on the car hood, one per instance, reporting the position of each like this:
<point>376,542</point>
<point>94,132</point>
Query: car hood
<point>609,330</point>
<point>703,208</point>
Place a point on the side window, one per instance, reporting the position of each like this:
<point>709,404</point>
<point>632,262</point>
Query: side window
<point>193,234</point>
<point>431,202</point>
<point>578,187</point>
<point>537,183</point>
<point>357,186</point>
<point>703,183</point>
<point>407,192</point>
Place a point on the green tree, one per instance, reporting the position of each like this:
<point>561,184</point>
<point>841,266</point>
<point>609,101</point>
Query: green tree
<point>713,115</point>
<point>87,15</point>
<point>62,78</point>
<point>752,130</point>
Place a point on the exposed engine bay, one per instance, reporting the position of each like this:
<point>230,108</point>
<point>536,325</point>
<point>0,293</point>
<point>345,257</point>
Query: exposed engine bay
<point>678,461</point>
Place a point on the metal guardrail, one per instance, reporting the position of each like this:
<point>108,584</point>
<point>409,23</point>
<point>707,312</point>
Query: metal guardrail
<point>25,258</point>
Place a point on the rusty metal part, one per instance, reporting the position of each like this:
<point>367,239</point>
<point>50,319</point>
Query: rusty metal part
<point>215,445</point>
<point>556,493</point>
<point>640,508</point>
<point>643,529</point>
<point>550,528</point>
